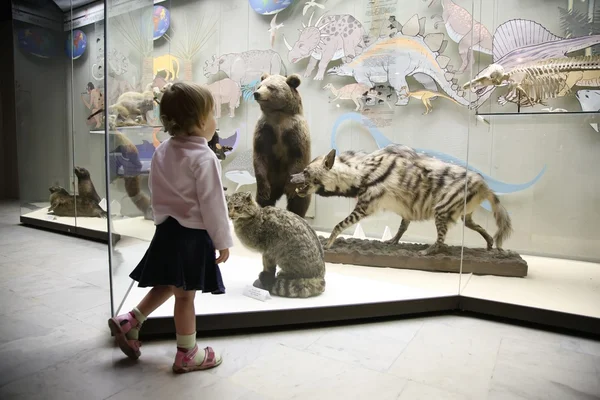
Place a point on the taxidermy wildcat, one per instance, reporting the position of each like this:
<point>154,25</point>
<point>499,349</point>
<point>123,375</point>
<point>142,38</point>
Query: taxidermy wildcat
<point>283,238</point>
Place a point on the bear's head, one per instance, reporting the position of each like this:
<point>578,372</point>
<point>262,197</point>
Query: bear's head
<point>279,93</point>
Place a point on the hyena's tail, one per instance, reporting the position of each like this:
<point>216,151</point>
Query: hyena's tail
<point>502,220</point>
<point>298,287</point>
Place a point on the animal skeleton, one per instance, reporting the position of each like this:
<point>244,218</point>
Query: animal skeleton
<point>538,81</point>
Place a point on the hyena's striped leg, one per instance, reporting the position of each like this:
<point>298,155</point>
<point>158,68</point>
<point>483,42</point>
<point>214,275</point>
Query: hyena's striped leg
<point>361,211</point>
<point>267,276</point>
<point>469,223</point>
<point>403,227</point>
<point>441,224</point>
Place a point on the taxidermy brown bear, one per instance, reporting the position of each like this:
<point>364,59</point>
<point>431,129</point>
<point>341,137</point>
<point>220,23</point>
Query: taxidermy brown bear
<point>281,142</point>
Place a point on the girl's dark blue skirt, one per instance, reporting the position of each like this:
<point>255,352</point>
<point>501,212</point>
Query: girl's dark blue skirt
<point>181,257</point>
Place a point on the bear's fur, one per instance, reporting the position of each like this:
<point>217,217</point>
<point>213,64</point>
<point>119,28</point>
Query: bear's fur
<point>281,142</point>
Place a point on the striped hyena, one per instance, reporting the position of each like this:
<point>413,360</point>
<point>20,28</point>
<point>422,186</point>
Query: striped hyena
<point>398,179</point>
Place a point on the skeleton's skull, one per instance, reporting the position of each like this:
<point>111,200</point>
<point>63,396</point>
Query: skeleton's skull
<point>491,76</point>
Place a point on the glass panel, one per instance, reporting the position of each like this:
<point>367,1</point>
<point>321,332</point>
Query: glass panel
<point>544,163</point>
<point>129,69</point>
<point>55,92</point>
<point>86,102</point>
<point>228,45</point>
<point>42,70</point>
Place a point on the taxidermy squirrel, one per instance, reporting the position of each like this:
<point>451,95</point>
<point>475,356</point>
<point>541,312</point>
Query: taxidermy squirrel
<point>284,239</point>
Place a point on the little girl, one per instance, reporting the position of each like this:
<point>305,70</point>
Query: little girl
<point>190,214</point>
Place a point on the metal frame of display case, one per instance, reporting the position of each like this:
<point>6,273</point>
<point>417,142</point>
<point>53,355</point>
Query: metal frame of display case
<point>296,318</point>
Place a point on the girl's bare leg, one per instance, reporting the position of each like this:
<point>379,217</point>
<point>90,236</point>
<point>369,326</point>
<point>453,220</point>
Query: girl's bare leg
<point>189,357</point>
<point>185,312</point>
<point>154,299</point>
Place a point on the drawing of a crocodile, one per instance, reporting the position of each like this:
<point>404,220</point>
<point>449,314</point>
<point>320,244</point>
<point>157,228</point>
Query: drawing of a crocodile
<point>393,59</point>
<point>518,42</point>
<point>532,83</point>
<point>333,37</point>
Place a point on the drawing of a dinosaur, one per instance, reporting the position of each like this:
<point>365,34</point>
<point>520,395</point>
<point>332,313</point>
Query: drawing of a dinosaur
<point>393,59</point>
<point>332,38</point>
<point>353,91</point>
<point>465,31</point>
<point>519,42</point>
<point>425,96</point>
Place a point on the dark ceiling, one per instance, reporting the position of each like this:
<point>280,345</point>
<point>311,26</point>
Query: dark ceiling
<point>66,5</point>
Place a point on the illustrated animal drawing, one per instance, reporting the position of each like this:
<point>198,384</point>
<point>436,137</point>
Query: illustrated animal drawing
<point>398,179</point>
<point>245,68</point>
<point>333,37</point>
<point>465,31</point>
<point>284,239</point>
<point>167,63</point>
<point>226,91</point>
<point>393,59</point>
<point>425,96</point>
<point>352,91</point>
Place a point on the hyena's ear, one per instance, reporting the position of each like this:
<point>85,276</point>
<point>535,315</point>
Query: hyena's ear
<point>329,159</point>
<point>264,76</point>
<point>293,81</point>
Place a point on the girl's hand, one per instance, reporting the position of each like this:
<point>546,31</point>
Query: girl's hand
<point>223,256</point>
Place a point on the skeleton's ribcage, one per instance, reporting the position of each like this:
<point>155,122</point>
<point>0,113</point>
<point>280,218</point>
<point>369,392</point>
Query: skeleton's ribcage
<point>537,88</point>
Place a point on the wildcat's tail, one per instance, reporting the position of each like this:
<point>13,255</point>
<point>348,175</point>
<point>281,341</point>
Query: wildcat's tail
<point>298,287</point>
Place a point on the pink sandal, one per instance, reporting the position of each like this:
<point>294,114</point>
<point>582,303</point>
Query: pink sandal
<point>119,326</point>
<point>184,360</point>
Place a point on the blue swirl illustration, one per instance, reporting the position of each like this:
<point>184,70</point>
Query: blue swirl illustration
<point>499,187</point>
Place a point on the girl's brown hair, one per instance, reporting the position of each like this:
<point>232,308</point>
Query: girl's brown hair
<point>184,106</point>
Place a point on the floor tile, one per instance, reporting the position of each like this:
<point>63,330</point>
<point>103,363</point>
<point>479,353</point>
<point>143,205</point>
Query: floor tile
<point>93,374</point>
<point>287,373</point>
<point>452,359</point>
<point>535,370</point>
<point>27,355</point>
<point>418,391</point>
<point>366,349</point>
<point>75,299</point>
<point>40,283</point>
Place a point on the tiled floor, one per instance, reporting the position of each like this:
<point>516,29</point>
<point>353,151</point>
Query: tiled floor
<point>54,344</point>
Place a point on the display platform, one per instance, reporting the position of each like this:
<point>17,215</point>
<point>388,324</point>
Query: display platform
<point>375,253</point>
<point>551,284</point>
<point>94,228</point>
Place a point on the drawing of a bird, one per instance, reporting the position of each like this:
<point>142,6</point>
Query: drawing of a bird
<point>310,4</point>
<point>273,29</point>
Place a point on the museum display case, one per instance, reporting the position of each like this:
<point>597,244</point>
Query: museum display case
<point>507,93</point>
<point>58,86</point>
<point>504,90</point>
